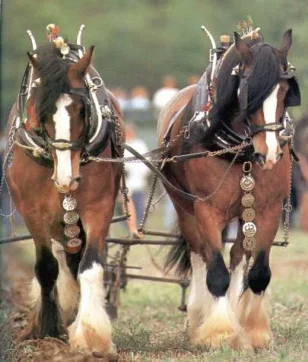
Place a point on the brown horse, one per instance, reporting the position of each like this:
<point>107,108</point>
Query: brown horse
<point>252,88</point>
<point>69,116</point>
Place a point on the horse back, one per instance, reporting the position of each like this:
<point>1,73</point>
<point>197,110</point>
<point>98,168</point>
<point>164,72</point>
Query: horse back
<point>172,107</point>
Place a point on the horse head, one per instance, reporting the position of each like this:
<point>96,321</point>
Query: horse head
<point>265,88</point>
<point>60,104</point>
<point>254,86</point>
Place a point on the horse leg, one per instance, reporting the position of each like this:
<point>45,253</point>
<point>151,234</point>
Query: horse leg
<point>46,319</point>
<point>67,285</point>
<point>92,328</point>
<point>218,322</point>
<point>238,265</point>
<point>253,313</point>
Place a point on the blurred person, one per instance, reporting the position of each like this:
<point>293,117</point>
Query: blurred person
<point>122,97</point>
<point>163,95</point>
<point>160,98</point>
<point>136,179</point>
<point>193,79</point>
<point>139,98</point>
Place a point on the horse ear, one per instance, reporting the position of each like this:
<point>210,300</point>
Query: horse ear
<point>286,43</point>
<point>80,68</point>
<point>33,60</point>
<point>243,49</point>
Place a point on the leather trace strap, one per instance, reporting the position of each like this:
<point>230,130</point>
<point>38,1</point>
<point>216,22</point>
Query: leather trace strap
<point>166,182</point>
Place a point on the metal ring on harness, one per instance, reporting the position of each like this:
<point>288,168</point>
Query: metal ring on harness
<point>99,83</point>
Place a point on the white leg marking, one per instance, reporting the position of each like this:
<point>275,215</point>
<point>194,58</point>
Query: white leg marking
<point>68,288</point>
<point>236,284</point>
<point>254,318</point>
<point>92,328</point>
<point>62,126</point>
<point>269,111</point>
<point>199,295</point>
<point>210,320</point>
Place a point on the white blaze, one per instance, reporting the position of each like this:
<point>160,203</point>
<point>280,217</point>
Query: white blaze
<point>62,126</point>
<point>269,111</point>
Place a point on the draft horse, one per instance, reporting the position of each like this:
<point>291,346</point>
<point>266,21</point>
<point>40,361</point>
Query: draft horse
<point>61,117</point>
<point>252,87</point>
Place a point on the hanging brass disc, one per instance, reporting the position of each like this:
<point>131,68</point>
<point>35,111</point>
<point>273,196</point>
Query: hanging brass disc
<point>249,229</point>
<point>71,217</point>
<point>247,183</point>
<point>73,246</point>
<point>69,203</point>
<point>248,214</point>
<point>71,230</point>
<point>248,200</point>
<point>249,243</point>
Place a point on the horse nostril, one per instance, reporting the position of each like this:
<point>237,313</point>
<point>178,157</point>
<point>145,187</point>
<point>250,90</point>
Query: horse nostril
<point>77,179</point>
<point>259,158</point>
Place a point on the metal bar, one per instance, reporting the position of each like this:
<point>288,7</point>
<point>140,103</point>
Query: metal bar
<point>163,280</point>
<point>139,242</point>
<point>160,233</point>
<point>15,238</point>
<point>119,241</point>
<point>119,218</point>
<point>128,242</point>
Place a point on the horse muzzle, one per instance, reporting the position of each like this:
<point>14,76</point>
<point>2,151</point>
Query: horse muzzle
<point>70,185</point>
<point>265,163</point>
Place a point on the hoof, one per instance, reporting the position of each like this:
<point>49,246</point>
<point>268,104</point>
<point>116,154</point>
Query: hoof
<point>85,337</point>
<point>259,339</point>
<point>219,328</point>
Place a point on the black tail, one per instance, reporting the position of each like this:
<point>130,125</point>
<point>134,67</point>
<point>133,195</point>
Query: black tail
<point>179,257</point>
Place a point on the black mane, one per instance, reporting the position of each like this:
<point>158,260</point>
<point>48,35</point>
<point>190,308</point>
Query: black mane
<point>264,76</point>
<point>54,80</point>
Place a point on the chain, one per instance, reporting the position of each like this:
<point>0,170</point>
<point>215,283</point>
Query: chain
<point>221,182</point>
<point>148,204</point>
<point>6,162</point>
<point>233,149</point>
<point>288,205</point>
<point>124,189</point>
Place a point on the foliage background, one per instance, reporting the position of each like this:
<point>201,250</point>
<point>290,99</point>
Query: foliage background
<point>139,41</point>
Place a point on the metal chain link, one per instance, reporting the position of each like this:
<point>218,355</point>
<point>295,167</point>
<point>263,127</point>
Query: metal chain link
<point>288,205</point>
<point>221,182</point>
<point>6,162</point>
<point>124,189</point>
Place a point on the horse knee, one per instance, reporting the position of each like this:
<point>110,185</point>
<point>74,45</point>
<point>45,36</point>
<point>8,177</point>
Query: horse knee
<point>259,275</point>
<point>218,278</point>
<point>46,270</point>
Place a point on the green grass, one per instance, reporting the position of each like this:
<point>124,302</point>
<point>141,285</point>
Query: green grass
<point>150,328</point>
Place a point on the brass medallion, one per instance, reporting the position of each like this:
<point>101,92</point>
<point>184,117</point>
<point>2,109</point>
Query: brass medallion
<point>249,243</point>
<point>249,229</point>
<point>71,230</point>
<point>73,246</point>
<point>69,203</point>
<point>248,200</point>
<point>247,183</point>
<point>249,214</point>
<point>71,217</point>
